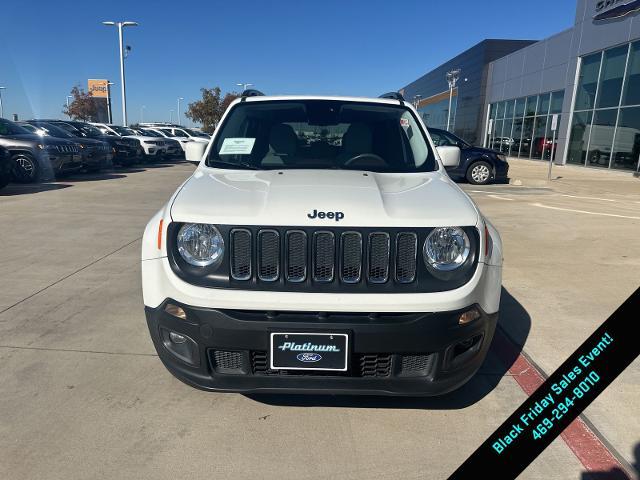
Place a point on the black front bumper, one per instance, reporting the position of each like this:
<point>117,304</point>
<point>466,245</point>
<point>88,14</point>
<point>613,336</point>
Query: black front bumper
<point>413,354</point>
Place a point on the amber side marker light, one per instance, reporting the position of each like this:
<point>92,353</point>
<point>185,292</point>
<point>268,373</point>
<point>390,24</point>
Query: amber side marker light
<point>468,316</point>
<point>176,311</point>
<point>160,235</point>
<point>488,242</point>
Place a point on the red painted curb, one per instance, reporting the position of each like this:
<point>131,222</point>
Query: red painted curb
<point>585,445</point>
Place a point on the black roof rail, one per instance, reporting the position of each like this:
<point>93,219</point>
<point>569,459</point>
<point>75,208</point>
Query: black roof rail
<point>393,96</point>
<point>250,92</point>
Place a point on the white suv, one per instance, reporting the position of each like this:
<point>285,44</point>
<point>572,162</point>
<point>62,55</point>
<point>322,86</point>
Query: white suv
<point>151,147</point>
<point>320,247</point>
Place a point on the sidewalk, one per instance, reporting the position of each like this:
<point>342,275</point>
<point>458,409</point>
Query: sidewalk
<point>572,178</point>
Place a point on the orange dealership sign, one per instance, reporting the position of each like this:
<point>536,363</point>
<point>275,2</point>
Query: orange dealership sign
<point>98,88</point>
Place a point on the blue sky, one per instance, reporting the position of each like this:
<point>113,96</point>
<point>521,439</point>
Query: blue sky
<point>342,47</point>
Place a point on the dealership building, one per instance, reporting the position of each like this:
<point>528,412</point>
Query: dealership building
<point>574,95</point>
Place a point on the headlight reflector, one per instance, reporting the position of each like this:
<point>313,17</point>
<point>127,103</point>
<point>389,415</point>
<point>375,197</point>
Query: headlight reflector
<point>446,248</point>
<point>200,244</point>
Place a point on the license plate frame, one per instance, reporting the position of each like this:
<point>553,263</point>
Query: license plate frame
<point>330,360</point>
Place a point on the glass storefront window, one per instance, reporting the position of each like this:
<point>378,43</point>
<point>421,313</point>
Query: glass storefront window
<point>588,82</point>
<point>516,134</point>
<point>579,137</point>
<point>532,103</point>
<point>500,110</point>
<point>507,140</point>
<point>626,149</point>
<point>601,140</point>
<point>527,134</point>
<point>543,104</point>
<point>631,94</point>
<point>519,107</point>
<point>557,98</point>
<point>611,77</point>
<point>538,143</point>
<point>510,106</point>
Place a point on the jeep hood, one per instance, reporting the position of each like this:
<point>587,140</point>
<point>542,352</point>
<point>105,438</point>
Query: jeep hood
<point>273,197</point>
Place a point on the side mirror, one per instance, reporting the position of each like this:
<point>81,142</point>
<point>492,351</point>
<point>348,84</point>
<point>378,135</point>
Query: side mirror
<point>194,151</point>
<point>450,156</point>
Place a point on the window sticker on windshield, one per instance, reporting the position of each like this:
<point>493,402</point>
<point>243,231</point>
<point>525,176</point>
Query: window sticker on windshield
<point>237,146</point>
<point>404,122</point>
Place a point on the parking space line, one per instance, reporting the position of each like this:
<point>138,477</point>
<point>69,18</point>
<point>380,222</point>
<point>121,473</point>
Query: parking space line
<point>67,350</point>
<point>498,197</point>
<point>590,198</point>
<point>70,275</point>
<point>584,211</point>
<point>581,436</point>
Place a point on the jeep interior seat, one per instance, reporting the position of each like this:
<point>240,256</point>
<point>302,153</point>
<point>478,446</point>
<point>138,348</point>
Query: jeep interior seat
<point>283,144</point>
<point>358,140</point>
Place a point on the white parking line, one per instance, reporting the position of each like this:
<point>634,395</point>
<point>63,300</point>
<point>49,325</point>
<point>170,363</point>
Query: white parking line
<point>590,198</point>
<point>497,197</point>
<point>583,211</point>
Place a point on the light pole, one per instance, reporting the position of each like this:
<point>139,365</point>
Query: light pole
<point>170,116</point>
<point>142,113</point>
<point>452,79</point>
<point>179,119</point>
<point>109,118</point>
<point>244,85</point>
<point>120,26</point>
<point>416,100</point>
<point>1,111</point>
<point>68,113</point>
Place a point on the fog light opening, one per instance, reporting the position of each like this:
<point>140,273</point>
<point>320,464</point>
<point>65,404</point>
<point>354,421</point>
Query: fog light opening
<point>177,338</point>
<point>468,316</point>
<point>175,311</point>
<point>470,344</point>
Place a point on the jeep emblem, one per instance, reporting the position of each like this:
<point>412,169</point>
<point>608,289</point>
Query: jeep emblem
<point>331,215</point>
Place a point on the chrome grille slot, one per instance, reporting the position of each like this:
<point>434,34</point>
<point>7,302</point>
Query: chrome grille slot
<point>324,256</point>
<point>240,254</point>
<point>268,255</point>
<point>378,265</point>
<point>296,256</point>
<point>406,251</point>
<point>351,261</point>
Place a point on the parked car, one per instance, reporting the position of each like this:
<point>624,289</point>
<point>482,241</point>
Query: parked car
<point>125,151</point>
<point>6,166</point>
<point>366,270</point>
<point>172,147</point>
<point>182,141</point>
<point>183,132</point>
<point>35,157</point>
<point>152,147</point>
<point>478,165</point>
<point>96,154</point>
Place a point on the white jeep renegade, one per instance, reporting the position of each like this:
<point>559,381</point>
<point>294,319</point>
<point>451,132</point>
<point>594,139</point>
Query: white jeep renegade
<point>320,247</point>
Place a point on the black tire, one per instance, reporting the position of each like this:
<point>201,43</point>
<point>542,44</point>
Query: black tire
<point>479,173</point>
<point>25,168</point>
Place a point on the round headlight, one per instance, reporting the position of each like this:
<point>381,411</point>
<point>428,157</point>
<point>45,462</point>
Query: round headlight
<point>200,244</point>
<point>446,248</point>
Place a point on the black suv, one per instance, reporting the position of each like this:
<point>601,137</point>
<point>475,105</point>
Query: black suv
<point>125,151</point>
<point>477,165</point>
<point>35,157</point>
<point>95,153</point>
<point>5,167</point>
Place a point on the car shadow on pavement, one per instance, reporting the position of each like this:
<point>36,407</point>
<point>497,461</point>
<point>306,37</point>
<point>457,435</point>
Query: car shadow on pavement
<point>93,177</point>
<point>615,473</point>
<point>27,188</point>
<point>494,368</point>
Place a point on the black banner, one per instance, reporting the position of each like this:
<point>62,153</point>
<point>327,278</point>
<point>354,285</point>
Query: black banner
<point>561,398</point>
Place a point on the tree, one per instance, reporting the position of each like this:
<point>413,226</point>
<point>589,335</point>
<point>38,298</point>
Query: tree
<point>210,109</point>
<point>82,107</point>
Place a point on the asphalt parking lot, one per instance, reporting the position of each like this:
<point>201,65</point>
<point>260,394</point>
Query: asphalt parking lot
<point>84,396</point>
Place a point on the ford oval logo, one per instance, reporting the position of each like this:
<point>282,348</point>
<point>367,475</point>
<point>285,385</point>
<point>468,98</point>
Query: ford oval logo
<point>309,357</point>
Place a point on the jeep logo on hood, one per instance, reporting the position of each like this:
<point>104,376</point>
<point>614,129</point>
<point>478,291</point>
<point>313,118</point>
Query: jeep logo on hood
<point>337,216</point>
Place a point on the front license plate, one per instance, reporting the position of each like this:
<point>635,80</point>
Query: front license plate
<point>309,351</point>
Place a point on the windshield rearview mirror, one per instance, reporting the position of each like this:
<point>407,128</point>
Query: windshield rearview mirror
<point>194,151</point>
<point>450,156</point>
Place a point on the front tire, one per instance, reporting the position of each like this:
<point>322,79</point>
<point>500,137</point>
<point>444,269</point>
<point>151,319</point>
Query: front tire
<point>479,173</point>
<point>26,168</point>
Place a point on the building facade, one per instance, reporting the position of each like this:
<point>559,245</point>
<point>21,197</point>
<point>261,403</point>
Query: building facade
<point>587,76</point>
<point>431,91</point>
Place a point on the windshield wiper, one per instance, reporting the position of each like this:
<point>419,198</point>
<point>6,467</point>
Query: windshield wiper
<point>234,165</point>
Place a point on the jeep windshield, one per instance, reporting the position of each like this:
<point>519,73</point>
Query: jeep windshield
<point>321,134</point>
